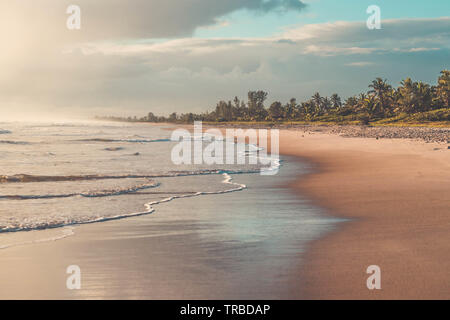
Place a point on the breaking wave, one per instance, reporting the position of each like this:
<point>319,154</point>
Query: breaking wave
<point>37,178</point>
<point>90,194</point>
<point>30,226</point>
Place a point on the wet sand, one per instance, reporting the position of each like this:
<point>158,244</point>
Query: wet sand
<point>397,194</point>
<point>240,245</point>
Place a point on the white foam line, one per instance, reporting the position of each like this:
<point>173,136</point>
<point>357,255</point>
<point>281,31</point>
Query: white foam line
<point>149,206</point>
<point>67,232</point>
<point>228,180</point>
<point>275,163</point>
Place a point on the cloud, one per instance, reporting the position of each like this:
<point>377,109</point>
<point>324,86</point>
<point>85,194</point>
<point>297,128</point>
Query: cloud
<point>181,74</point>
<point>359,64</point>
<point>219,24</point>
<point>134,19</point>
<point>357,32</point>
<point>334,50</point>
<point>326,39</point>
<point>417,49</point>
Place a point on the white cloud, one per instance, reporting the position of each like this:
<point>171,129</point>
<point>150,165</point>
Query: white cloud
<point>416,49</point>
<point>359,64</point>
<point>338,38</point>
<point>134,19</point>
<point>191,74</point>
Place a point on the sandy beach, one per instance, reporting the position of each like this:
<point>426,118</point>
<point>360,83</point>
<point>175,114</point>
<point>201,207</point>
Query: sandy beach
<point>396,193</point>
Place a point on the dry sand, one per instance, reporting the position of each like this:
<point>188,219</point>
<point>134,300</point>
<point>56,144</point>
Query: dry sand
<point>397,194</point>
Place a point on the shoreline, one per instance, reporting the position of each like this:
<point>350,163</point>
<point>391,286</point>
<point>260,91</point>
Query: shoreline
<point>395,193</point>
<point>393,188</point>
<point>392,184</point>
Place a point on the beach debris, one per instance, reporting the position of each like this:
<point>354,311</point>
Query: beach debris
<point>114,149</point>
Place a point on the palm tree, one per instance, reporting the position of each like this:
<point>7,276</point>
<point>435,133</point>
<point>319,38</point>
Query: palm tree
<point>276,111</point>
<point>151,117</point>
<point>380,88</point>
<point>423,97</point>
<point>336,100</point>
<point>326,105</point>
<point>351,103</point>
<point>406,95</point>
<point>173,117</point>
<point>256,105</point>
<point>372,106</point>
<point>307,108</point>
<point>360,102</point>
<point>317,101</point>
<point>290,109</point>
<point>443,89</point>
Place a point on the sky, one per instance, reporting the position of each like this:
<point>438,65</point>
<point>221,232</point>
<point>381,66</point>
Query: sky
<point>138,56</point>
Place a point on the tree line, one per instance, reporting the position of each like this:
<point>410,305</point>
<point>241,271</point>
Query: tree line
<point>381,101</point>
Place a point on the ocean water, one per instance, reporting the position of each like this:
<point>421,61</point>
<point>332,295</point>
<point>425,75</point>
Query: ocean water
<point>62,174</point>
<point>107,196</point>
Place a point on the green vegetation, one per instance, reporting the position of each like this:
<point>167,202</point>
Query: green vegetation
<point>411,103</point>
